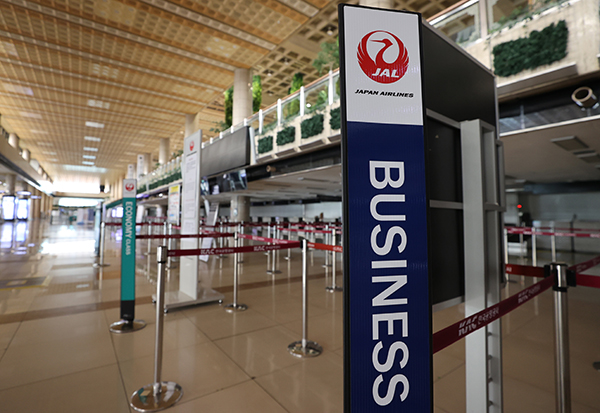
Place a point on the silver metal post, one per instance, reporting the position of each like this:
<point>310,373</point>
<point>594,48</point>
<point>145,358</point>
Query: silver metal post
<point>533,248</point>
<point>240,242</point>
<point>553,242</point>
<point>170,244</point>
<point>101,247</point>
<point>333,288</point>
<point>561,339</point>
<point>289,253</point>
<point>268,236</point>
<point>304,347</point>
<point>235,307</point>
<point>159,395</point>
<point>326,240</point>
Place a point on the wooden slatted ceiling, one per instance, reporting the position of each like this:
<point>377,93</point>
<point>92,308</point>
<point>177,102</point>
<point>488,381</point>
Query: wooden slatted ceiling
<point>138,66</point>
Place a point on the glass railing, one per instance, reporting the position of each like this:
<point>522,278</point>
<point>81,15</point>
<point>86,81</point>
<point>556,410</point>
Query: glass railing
<point>163,175</point>
<point>460,24</point>
<point>503,13</point>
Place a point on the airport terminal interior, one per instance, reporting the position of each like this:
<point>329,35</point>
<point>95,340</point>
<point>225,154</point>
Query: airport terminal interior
<point>105,104</point>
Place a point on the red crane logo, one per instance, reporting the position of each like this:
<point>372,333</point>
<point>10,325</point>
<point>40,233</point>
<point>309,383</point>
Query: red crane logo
<point>379,69</point>
<point>191,145</point>
<point>129,187</point>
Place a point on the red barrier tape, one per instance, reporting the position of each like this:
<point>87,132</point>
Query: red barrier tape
<point>317,231</point>
<point>586,265</point>
<point>178,236</point>
<point>524,270</point>
<point>585,280</point>
<point>219,251</point>
<point>456,331</point>
<point>530,231</point>
<point>264,239</point>
<point>325,247</point>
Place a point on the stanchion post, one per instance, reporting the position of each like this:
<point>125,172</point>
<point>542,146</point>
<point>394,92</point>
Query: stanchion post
<point>289,238</point>
<point>333,287</point>
<point>235,307</point>
<point>553,242</point>
<point>159,395</point>
<point>562,367</point>
<point>170,244</point>
<point>533,248</point>
<point>101,248</point>
<point>305,347</point>
<point>240,242</point>
<point>326,240</point>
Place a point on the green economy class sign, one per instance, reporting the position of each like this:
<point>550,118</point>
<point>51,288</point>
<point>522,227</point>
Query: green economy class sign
<point>128,250</point>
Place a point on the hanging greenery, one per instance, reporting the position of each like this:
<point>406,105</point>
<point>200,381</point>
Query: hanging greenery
<point>329,56</point>
<point>228,107</point>
<point>335,121</point>
<point>311,126</point>
<point>540,48</point>
<point>286,135</point>
<point>293,108</point>
<point>265,144</point>
<point>256,93</point>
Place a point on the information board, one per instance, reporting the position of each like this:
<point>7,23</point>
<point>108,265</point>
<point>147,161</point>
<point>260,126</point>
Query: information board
<point>128,250</point>
<point>387,334</point>
<point>174,204</point>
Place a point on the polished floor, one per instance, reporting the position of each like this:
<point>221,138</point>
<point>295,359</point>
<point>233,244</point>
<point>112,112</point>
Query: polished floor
<point>57,354</point>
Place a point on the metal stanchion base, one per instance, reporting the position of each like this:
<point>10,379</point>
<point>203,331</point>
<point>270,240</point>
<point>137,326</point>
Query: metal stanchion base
<point>234,308</point>
<point>312,349</point>
<point>98,265</point>
<point>287,258</point>
<point>149,253</point>
<point>273,272</point>
<point>126,326</point>
<point>596,365</point>
<point>332,289</point>
<point>144,399</point>
<point>326,265</point>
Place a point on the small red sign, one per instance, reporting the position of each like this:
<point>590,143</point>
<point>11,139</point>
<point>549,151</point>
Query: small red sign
<point>191,145</point>
<point>379,69</point>
<point>129,187</point>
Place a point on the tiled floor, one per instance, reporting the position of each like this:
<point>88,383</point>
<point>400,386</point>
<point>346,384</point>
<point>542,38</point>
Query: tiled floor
<point>57,354</point>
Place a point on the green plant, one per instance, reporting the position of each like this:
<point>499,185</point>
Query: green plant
<point>294,106</point>
<point>265,144</point>
<point>540,48</point>
<point>329,56</point>
<point>256,93</point>
<point>335,121</point>
<point>228,107</point>
<point>286,135</point>
<point>219,127</point>
<point>311,126</point>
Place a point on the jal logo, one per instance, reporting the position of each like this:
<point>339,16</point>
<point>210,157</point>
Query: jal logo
<point>391,60</point>
<point>191,145</point>
<point>129,187</point>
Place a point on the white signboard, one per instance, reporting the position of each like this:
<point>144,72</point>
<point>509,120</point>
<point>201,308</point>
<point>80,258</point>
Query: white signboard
<point>174,204</point>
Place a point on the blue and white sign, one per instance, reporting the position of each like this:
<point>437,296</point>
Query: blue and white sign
<point>388,313</point>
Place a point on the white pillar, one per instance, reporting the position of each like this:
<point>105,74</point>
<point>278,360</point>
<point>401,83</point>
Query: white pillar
<point>189,125</point>
<point>163,150</point>
<point>147,161</point>
<point>13,140</point>
<point>382,4</point>
<point>242,95</point>
<point>26,154</point>
<point>130,172</point>
<point>240,208</point>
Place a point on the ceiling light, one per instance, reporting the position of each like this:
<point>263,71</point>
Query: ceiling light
<point>44,144</point>
<point>569,143</point>
<point>31,115</point>
<point>98,104</point>
<point>18,89</point>
<point>89,157</point>
<point>88,163</point>
<point>137,144</point>
<point>94,124</point>
<point>269,73</point>
<point>48,153</point>
<point>92,138</point>
<point>39,132</point>
<point>87,148</point>
<point>330,30</point>
<point>584,98</point>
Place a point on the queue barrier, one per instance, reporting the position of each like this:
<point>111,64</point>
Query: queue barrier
<point>557,276</point>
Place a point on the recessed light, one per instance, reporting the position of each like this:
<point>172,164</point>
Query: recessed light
<point>31,115</point>
<point>87,148</point>
<point>18,89</point>
<point>48,153</point>
<point>590,158</point>
<point>94,124</point>
<point>89,157</point>
<point>92,138</point>
<point>39,132</point>
<point>137,144</point>
<point>98,104</point>
<point>88,163</point>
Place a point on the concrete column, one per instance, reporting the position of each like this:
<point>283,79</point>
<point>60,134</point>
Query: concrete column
<point>190,126</point>
<point>163,150</point>
<point>130,172</point>
<point>11,184</point>
<point>26,154</point>
<point>13,140</point>
<point>35,205</point>
<point>382,4</point>
<point>147,163</point>
<point>240,209</point>
<point>242,95</point>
